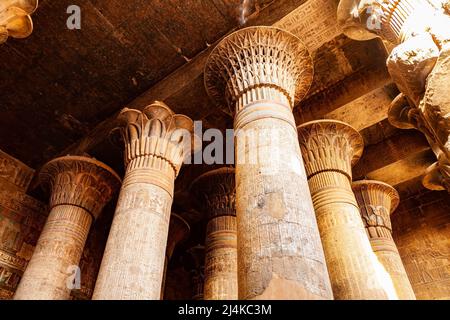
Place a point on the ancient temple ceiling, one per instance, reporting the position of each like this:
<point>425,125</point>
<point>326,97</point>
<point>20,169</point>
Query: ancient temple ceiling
<point>60,88</point>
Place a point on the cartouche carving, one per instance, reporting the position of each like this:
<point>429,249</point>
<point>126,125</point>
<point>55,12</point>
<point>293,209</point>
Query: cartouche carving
<point>259,73</point>
<point>15,18</point>
<point>80,188</point>
<point>419,65</point>
<point>156,142</point>
<point>376,201</point>
<point>329,149</point>
<point>216,192</point>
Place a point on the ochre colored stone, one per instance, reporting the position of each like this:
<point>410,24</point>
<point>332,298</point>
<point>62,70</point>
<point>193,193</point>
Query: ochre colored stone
<point>156,141</point>
<point>215,190</point>
<point>80,188</point>
<point>259,73</point>
<point>329,149</point>
<point>377,201</point>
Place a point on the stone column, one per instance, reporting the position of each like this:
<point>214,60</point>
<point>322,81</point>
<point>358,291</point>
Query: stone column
<point>156,142</point>
<point>329,149</point>
<point>419,65</point>
<point>215,191</point>
<point>377,200</point>
<point>80,187</point>
<point>178,231</point>
<point>259,73</point>
<point>15,18</point>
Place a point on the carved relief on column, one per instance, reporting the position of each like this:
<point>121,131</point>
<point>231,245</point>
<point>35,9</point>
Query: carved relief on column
<point>15,19</point>
<point>377,201</point>
<point>80,188</point>
<point>215,191</point>
<point>178,232</point>
<point>259,73</point>
<point>329,149</point>
<point>419,65</point>
<point>156,143</point>
<point>21,220</point>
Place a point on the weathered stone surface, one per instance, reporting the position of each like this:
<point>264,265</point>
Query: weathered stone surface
<point>15,19</point>
<point>259,73</point>
<point>80,188</point>
<point>216,191</point>
<point>329,149</point>
<point>376,201</point>
<point>421,230</point>
<point>156,143</point>
<point>21,220</point>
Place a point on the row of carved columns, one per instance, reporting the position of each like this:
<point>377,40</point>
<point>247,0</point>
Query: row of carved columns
<point>284,224</point>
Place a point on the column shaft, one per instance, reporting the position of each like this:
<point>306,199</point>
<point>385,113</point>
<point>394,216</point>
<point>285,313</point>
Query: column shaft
<point>260,73</point>
<point>57,254</point>
<point>216,194</point>
<point>80,187</point>
<point>156,141</point>
<point>377,201</point>
<point>329,149</point>
<point>133,262</point>
<point>221,259</point>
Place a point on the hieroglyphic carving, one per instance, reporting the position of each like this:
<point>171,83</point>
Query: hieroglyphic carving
<point>216,192</point>
<point>196,256</point>
<point>15,172</point>
<point>21,221</point>
<point>419,65</point>
<point>313,22</point>
<point>156,143</point>
<point>80,188</point>
<point>259,73</point>
<point>329,149</point>
<point>376,201</point>
<point>15,19</point>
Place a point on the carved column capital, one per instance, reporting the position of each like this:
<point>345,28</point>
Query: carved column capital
<point>259,64</point>
<point>329,145</point>
<point>15,19</point>
<point>80,181</point>
<point>156,137</point>
<point>216,192</point>
<point>376,201</point>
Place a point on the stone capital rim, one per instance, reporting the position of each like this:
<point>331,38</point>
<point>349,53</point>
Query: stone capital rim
<point>355,138</point>
<point>366,185</point>
<point>216,84</point>
<point>107,177</point>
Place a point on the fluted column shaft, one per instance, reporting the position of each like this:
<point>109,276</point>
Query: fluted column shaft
<point>80,189</point>
<point>133,262</point>
<point>215,190</point>
<point>260,73</point>
<point>377,201</point>
<point>329,149</point>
